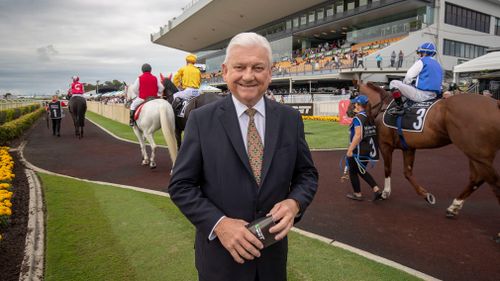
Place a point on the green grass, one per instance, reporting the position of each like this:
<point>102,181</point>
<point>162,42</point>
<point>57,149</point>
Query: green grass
<point>119,129</point>
<point>100,232</point>
<point>319,134</point>
<point>326,134</point>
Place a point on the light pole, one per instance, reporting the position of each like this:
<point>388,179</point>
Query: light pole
<point>97,87</point>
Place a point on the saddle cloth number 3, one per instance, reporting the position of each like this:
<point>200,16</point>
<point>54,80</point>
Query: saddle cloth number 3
<point>420,119</point>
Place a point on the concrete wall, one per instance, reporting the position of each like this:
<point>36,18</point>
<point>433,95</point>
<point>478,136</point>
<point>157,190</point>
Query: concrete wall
<point>116,112</point>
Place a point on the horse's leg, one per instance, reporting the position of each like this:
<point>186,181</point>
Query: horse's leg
<point>178,137</point>
<point>140,137</point>
<point>149,137</point>
<point>409,159</point>
<point>474,182</point>
<point>387,155</point>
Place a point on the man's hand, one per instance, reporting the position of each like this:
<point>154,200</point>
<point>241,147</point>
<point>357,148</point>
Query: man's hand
<point>238,240</point>
<point>284,212</point>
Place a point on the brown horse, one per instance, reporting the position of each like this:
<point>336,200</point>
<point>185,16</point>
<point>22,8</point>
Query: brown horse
<point>471,122</point>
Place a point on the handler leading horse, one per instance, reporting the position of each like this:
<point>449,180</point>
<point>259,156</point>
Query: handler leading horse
<point>471,122</point>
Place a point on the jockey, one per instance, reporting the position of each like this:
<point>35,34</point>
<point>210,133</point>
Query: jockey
<point>76,87</point>
<point>428,75</point>
<point>188,79</point>
<point>145,86</point>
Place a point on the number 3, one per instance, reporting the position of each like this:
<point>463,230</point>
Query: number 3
<point>420,116</point>
<point>373,150</point>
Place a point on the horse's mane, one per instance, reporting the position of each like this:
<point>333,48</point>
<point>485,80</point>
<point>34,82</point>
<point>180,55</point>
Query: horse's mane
<point>376,88</point>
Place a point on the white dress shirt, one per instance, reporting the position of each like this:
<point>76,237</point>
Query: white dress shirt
<point>243,118</point>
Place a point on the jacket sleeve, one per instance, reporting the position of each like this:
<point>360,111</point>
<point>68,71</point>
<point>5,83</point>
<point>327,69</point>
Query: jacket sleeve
<point>187,175</point>
<point>178,77</point>
<point>305,176</point>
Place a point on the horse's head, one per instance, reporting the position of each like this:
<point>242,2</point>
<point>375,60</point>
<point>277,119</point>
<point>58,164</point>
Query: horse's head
<point>378,98</point>
<point>169,90</point>
<point>129,93</point>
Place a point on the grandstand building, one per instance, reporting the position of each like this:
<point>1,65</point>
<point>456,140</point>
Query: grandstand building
<point>323,42</point>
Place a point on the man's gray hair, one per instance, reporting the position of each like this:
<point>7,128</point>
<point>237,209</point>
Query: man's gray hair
<point>249,39</point>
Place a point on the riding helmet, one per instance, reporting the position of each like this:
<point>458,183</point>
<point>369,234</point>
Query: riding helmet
<point>146,67</point>
<point>427,48</point>
<point>361,99</point>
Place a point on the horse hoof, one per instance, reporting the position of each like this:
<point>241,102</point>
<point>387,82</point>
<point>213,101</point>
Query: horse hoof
<point>430,199</point>
<point>497,239</point>
<point>145,162</point>
<point>152,165</point>
<point>450,215</point>
<point>385,195</point>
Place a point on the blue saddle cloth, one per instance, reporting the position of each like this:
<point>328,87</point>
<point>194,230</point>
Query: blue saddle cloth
<point>413,119</point>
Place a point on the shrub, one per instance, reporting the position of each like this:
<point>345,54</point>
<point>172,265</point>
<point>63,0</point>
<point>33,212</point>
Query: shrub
<point>15,128</point>
<point>10,114</point>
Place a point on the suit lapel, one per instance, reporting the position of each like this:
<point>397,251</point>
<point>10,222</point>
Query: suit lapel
<point>231,125</point>
<point>271,136</point>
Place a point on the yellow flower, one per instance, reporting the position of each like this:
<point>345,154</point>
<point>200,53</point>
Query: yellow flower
<point>7,203</point>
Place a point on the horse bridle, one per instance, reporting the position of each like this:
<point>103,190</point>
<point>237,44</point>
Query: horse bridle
<point>379,106</point>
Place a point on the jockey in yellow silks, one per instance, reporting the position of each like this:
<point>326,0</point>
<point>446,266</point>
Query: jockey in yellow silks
<point>188,79</point>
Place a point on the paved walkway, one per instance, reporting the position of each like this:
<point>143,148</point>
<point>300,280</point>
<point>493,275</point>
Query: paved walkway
<point>404,229</point>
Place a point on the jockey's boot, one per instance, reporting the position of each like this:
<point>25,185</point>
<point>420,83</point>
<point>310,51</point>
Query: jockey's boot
<point>132,121</point>
<point>399,109</point>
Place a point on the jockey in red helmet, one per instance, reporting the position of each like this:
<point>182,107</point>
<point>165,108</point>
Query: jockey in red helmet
<point>76,87</point>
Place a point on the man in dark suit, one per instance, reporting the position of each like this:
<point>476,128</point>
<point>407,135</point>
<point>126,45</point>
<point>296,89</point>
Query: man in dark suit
<point>243,158</point>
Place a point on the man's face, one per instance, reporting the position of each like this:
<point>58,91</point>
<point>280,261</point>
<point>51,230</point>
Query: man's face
<point>247,73</point>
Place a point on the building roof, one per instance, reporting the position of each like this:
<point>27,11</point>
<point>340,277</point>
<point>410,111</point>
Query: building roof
<point>208,22</point>
<point>488,62</point>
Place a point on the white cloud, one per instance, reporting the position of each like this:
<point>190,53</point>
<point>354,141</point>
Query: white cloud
<point>44,43</point>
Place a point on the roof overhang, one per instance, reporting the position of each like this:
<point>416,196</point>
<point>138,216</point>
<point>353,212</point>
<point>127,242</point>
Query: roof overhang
<point>208,22</point>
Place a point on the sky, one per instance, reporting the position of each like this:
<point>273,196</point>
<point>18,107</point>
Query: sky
<point>43,43</point>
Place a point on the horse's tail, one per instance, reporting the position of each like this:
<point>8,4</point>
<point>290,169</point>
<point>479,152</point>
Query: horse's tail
<point>167,121</point>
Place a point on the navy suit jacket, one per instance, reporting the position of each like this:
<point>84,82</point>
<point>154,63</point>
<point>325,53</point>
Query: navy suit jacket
<point>212,178</point>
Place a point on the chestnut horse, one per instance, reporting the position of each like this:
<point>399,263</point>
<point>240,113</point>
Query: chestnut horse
<point>471,122</point>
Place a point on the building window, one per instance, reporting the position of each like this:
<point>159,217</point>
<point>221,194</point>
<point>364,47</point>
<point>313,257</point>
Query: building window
<point>462,50</point>
<point>288,24</point>
<point>320,14</point>
<point>350,4</point>
<point>497,27</point>
<point>311,16</point>
<point>303,20</point>
<point>363,3</point>
<point>466,18</point>
<point>339,7</point>
<point>296,23</point>
<point>329,11</point>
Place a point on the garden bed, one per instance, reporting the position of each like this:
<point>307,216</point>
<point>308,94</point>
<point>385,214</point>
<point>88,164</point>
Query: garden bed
<point>13,239</point>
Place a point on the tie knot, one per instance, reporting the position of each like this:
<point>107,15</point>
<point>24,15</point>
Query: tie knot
<point>251,112</point>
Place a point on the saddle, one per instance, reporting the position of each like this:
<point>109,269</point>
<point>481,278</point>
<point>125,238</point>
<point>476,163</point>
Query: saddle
<point>179,105</point>
<point>413,119</point>
<point>139,108</point>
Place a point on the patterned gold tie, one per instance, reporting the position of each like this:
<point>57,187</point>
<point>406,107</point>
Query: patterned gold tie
<point>254,146</point>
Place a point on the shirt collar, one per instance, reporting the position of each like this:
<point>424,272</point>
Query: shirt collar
<point>240,107</point>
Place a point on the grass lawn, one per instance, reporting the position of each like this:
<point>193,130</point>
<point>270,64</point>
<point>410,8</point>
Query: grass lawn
<point>99,232</point>
<point>319,134</point>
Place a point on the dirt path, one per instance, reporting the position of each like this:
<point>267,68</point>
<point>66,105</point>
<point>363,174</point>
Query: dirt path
<point>404,229</point>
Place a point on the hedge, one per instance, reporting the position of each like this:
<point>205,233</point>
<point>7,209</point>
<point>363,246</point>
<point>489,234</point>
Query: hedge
<point>10,114</point>
<point>15,128</point>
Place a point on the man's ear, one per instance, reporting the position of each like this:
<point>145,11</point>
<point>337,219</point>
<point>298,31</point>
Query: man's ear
<point>224,71</point>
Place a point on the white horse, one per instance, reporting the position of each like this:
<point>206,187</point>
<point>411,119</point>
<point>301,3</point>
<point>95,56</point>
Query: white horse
<point>155,114</point>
